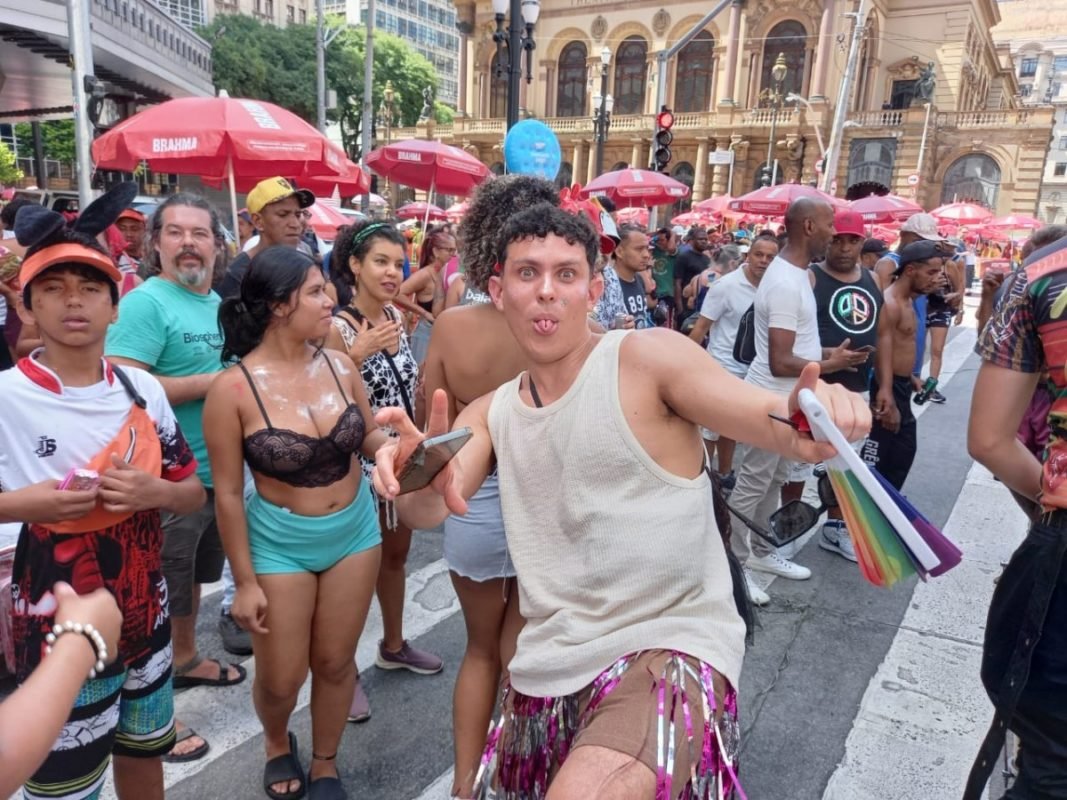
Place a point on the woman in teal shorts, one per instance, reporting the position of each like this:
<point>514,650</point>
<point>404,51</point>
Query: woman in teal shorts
<point>306,548</point>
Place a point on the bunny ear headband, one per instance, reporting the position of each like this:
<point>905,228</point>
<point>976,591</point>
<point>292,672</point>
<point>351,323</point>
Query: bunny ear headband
<point>37,226</point>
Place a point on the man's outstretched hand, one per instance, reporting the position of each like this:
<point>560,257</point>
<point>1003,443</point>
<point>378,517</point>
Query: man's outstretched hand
<point>847,410</point>
<point>392,456</point>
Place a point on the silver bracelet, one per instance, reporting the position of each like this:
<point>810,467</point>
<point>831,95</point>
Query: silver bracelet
<point>90,633</point>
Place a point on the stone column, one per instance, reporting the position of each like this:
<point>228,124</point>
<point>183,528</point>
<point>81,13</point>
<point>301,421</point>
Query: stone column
<point>482,111</point>
<point>635,155</point>
<point>591,166</point>
<point>719,174</point>
<point>732,54</point>
<point>549,80</point>
<point>576,162</point>
<point>825,53</point>
<point>701,172</point>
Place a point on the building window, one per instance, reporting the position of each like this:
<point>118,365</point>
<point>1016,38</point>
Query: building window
<point>290,14</point>
<point>1060,169</point>
<point>1027,67</point>
<point>631,68</point>
<point>303,16</point>
<point>1063,143</point>
<point>684,173</point>
<point>791,40</point>
<point>1059,64</point>
<point>1025,90</point>
<point>268,7</point>
<point>570,81</point>
<point>693,77</point>
<point>902,93</point>
<point>498,90</point>
<point>972,179</point>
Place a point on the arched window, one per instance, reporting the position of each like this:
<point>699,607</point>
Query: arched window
<point>684,173</point>
<point>571,80</point>
<point>631,67</point>
<point>972,179</point>
<point>694,75</point>
<point>757,176</point>
<point>564,178</point>
<point>791,40</point>
<point>498,91</point>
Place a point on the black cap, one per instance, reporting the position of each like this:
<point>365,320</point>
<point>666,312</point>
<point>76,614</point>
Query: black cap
<point>921,250</point>
<point>875,246</point>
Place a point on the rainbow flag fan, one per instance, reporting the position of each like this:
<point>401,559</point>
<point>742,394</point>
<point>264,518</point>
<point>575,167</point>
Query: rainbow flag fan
<point>891,538</point>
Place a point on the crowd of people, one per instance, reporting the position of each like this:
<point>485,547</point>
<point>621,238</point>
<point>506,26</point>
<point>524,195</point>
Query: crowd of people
<point>179,414</point>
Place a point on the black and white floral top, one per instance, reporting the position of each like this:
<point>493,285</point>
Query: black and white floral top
<point>379,376</point>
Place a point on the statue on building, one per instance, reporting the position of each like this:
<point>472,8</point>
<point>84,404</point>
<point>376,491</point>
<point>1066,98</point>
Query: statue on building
<point>924,89</point>
<point>427,104</point>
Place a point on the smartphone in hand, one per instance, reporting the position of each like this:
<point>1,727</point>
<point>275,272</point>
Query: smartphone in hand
<point>430,457</point>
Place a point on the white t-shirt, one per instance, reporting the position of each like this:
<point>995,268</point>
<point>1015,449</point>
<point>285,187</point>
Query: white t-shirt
<point>726,301</point>
<point>784,300</point>
<point>46,429</point>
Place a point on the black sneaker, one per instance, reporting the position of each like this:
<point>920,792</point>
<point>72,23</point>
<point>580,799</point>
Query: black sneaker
<point>235,639</point>
<point>937,397</point>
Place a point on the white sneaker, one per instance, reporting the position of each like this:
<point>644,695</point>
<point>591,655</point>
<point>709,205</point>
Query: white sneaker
<point>776,565</point>
<point>755,593</point>
<point>835,538</point>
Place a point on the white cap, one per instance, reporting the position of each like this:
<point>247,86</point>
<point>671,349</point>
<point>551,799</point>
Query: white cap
<point>678,230</point>
<point>924,226</point>
<point>744,249</point>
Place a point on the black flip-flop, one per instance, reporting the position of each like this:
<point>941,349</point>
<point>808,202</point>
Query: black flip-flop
<point>326,789</point>
<point>284,769</point>
<point>184,681</point>
<point>192,755</point>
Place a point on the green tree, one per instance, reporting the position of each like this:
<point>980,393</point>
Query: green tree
<point>57,136</point>
<point>252,59</point>
<point>9,171</point>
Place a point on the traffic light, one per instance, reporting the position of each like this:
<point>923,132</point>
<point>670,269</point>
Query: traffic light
<point>661,151</point>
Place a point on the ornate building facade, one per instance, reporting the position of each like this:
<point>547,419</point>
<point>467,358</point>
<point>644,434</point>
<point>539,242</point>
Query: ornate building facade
<point>973,140</point>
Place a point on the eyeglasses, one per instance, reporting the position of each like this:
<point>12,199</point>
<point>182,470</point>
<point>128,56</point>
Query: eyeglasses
<point>795,518</point>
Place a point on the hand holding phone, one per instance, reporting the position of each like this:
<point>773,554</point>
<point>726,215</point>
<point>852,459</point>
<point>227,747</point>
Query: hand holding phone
<point>430,457</point>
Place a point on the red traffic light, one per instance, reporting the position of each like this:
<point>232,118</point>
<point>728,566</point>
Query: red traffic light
<point>665,119</point>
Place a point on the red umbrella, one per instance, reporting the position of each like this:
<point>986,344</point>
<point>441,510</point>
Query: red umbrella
<point>636,187</point>
<point>1014,222</point>
<point>220,138</point>
<point>325,220</point>
<point>429,165</point>
<point>421,211</point>
<point>695,218</point>
<point>635,215</point>
<point>962,213</point>
<point>714,205</point>
<point>775,200</point>
<point>350,182</point>
<point>885,208</point>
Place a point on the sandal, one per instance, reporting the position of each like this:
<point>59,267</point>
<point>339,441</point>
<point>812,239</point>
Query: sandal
<point>184,681</point>
<point>284,769</point>
<point>329,788</point>
<point>192,755</point>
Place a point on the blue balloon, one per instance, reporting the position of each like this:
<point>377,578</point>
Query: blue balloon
<point>531,148</point>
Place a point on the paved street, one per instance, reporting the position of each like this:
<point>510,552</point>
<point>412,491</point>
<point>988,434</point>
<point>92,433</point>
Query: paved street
<point>850,692</point>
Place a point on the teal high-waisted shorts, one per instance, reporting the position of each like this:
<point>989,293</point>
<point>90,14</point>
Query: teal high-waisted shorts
<point>282,542</point>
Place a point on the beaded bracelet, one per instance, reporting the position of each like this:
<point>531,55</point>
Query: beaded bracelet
<point>90,633</point>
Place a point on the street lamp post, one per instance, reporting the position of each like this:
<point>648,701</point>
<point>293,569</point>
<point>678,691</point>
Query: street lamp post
<point>516,38</point>
<point>778,73</point>
<point>602,106</point>
<point>385,120</point>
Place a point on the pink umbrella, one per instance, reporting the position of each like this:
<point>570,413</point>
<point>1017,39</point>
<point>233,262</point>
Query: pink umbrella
<point>350,182</point>
<point>695,218</point>
<point>775,200</point>
<point>962,214</point>
<point>636,187</point>
<point>885,208</point>
<point>634,215</point>
<point>714,205</point>
<point>325,220</point>
<point>421,211</point>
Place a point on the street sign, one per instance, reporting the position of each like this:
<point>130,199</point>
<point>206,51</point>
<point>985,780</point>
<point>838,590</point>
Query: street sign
<point>721,157</point>
<point>820,165</point>
<point>913,179</point>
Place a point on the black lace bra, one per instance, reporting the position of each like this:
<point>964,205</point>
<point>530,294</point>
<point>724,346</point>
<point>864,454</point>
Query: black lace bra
<point>300,460</point>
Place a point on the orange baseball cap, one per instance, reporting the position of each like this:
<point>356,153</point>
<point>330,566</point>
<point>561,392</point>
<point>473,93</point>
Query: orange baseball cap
<point>67,253</point>
<point>131,213</point>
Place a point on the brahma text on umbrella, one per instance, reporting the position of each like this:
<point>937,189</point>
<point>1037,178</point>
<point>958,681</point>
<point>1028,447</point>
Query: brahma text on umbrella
<point>177,144</point>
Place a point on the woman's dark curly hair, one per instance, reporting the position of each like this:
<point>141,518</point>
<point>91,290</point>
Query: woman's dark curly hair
<point>492,204</point>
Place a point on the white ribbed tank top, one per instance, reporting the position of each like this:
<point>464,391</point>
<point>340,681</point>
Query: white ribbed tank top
<point>614,554</point>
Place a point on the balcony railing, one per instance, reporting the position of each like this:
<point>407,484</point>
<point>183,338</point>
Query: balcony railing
<point>145,23</point>
<point>1024,118</point>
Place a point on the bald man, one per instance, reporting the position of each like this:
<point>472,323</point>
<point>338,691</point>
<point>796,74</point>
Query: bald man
<point>787,338</point>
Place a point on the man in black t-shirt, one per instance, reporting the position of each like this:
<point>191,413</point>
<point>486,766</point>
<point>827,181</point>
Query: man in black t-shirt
<point>631,257</point>
<point>690,263</point>
<point>849,305</point>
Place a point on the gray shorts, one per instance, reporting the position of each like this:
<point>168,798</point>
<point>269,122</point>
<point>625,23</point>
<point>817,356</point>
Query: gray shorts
<point>192,554</point>
<point>475,545</point>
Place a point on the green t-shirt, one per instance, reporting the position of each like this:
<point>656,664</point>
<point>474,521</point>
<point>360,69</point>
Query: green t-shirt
<point>663,272</point>
<point>176,333</point>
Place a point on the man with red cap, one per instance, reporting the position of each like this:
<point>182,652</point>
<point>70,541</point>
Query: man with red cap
<point>849,305</point>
